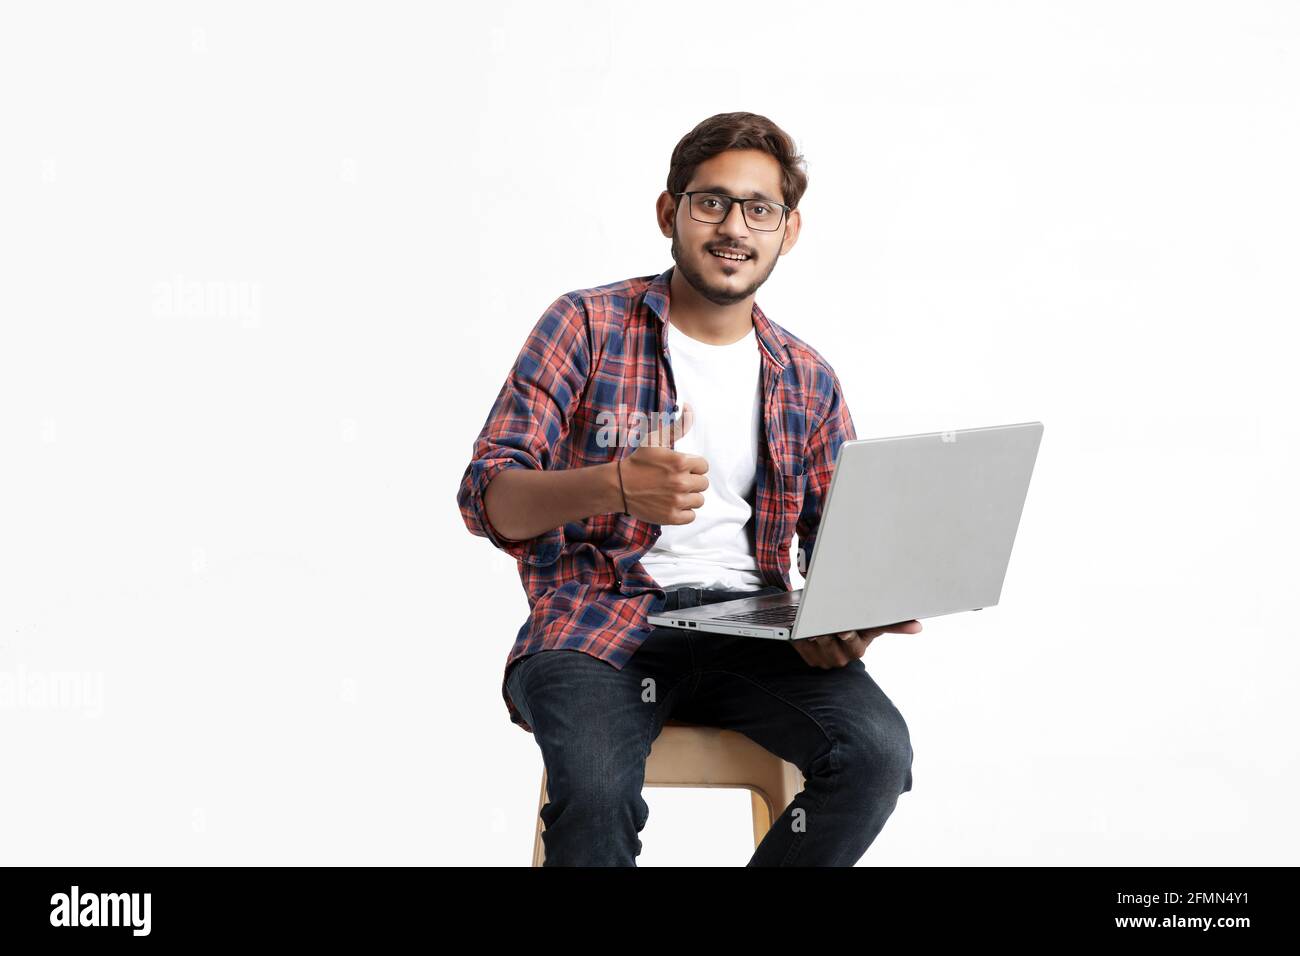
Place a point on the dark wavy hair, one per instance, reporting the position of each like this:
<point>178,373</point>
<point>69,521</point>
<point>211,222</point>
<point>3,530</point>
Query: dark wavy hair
<point>725,131</point>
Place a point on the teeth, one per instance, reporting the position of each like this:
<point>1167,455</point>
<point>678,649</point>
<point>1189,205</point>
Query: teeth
<point>729,255</point>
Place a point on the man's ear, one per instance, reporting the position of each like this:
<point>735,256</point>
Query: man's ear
<point>665,213</point>
<point>794,222</point>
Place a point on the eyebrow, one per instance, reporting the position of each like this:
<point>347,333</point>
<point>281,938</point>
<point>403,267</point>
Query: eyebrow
<point>727,192</point>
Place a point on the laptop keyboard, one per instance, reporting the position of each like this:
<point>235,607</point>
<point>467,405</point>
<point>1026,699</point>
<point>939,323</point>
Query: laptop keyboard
<point>780,616</point>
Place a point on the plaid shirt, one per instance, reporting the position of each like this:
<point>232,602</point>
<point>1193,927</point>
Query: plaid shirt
<point>597,359</point>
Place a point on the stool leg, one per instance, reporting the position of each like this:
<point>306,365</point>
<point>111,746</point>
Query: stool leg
<point>539,848</point>
<point>762,815</point>
<point>770,800</point>
<point>792,783</point>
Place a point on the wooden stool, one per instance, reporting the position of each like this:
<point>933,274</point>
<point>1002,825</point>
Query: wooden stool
<point>691,755</point>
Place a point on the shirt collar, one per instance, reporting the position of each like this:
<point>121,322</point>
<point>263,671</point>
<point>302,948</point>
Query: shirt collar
<point>773,342</point>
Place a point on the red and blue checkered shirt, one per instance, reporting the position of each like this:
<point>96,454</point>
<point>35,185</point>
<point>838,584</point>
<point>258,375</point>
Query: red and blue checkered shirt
<point>598,360</point>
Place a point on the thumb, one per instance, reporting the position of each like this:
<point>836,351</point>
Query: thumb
<point>683,424</point>
<point>669,431</point>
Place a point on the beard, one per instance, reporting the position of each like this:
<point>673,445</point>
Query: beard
<point>715,290</point>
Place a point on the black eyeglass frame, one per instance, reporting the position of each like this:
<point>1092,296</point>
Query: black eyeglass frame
<point>731,201</point>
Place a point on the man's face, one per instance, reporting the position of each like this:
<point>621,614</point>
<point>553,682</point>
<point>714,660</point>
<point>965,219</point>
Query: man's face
<point>744,173</point>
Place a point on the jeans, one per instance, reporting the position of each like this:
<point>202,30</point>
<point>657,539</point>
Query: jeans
<point>594,725</point>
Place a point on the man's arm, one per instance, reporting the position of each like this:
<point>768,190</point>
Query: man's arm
<point>531,413</point>
<point>522,504</point>
<point>835,428</point>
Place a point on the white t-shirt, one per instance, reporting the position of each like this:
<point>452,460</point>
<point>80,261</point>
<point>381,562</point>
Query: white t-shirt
<point>723,385</point>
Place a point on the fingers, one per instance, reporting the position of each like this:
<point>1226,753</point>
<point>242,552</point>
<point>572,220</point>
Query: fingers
<point>843,647</point>
<point>903,627</point>
<point>838,648</point>
<point>696,464</point>
<point>832,649</point>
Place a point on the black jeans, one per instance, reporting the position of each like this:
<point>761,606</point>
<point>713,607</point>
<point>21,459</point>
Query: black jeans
<point>595,724</point>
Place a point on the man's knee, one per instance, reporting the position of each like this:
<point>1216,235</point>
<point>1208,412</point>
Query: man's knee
<point>594,809</point>
<point>603,800</point>
<point>877,755</point>
<point>592,735</point>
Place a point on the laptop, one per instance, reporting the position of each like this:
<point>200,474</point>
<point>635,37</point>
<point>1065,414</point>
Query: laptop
<point>914,526</point>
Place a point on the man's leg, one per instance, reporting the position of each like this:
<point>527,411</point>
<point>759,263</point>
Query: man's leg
<point>594,725</point>
<point>836,725</point>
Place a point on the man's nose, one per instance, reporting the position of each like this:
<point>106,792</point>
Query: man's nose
<point>734,224</point>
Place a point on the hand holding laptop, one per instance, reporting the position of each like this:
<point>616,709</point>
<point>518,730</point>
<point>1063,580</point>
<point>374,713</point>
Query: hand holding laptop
<point>844,647</point>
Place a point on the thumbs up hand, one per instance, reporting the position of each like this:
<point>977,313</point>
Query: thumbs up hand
<point>661,485</point>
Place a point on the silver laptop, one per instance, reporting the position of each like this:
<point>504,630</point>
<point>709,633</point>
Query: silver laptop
<point>914,526</point>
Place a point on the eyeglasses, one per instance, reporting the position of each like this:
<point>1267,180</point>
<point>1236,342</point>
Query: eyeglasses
<point>759,214</point>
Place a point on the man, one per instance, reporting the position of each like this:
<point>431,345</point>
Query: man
<point>656,444</point>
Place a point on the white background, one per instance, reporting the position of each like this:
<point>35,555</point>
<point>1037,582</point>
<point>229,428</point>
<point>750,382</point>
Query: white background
<point>265,267</point>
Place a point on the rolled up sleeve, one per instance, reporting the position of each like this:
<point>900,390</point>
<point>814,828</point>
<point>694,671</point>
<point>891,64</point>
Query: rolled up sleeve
<point>834,429</point>
<point>530,416</point>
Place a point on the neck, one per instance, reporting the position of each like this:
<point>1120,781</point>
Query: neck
<point>701,319</point>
